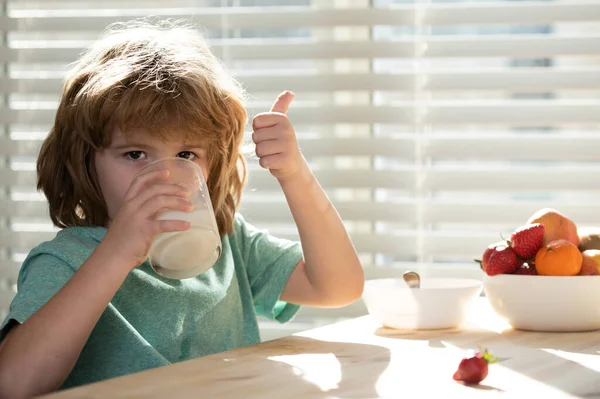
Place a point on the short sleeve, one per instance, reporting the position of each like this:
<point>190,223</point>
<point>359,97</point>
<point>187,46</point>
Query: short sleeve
<point>269,262</point>
<point>41,276</point>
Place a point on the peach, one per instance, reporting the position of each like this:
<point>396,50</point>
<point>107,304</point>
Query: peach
<point>591,263</point>
<point>588,267</point>
<point>558,226</point>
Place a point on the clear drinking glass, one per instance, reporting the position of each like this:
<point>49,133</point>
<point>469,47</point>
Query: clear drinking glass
<point>185,254</point>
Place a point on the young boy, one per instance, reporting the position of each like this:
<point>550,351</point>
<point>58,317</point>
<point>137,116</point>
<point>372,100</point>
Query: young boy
<point>89,307</point>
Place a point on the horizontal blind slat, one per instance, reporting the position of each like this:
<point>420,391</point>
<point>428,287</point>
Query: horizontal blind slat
<point>263,180</point>
<point>400,147</point>
<point>516,112</point>
<point>246,49</point>
<point>509,213</point>
<point>487,147</point>
<point>501,112</point>
<point>526,179</point>
<point>449,215</point>
<point>307,115</point>
<point>216,18</point>
<point>273,212</point>
<point>527,46</point>
<point>433,212</point>
<point>512,147</point>
<point>540,178</point>
<point>474,80</point>
<point>296,17</point>
<point>514,13</point>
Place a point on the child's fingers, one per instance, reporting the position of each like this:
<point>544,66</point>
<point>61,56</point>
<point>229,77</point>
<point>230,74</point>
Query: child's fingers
<point>283,101</point>
<point>269,147</point>
<point>157,204</point>
<point>144,180</point>
<point>161,189</point>
<point>267,119</point>
<point>167,226</point>
<point>273,162</point>
<point>267,133</point>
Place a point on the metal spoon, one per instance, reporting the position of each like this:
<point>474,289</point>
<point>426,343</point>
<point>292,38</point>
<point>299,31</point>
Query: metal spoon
<point>412,279</point>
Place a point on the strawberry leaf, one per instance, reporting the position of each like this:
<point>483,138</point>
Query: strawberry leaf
<point>489,358</point>
<point>486,355</point>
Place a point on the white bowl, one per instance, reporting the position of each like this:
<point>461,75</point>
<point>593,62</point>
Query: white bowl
<point>439,302</point>
<point>546,303</point>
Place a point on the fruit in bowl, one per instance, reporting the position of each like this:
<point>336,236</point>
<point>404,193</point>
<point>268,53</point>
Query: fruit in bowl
<point>590,265</point>
<point>553,283</point>
<point>558,258</point>
<point>548,244</point>
<point>589,238</point>
<point>557,225</point>
<point>438,303</point>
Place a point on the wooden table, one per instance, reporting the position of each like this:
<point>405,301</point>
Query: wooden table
<point>358,359</point>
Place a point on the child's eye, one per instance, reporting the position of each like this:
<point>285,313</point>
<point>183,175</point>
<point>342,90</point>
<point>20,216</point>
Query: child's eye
<point>187,155</point>
<point>135,155</point>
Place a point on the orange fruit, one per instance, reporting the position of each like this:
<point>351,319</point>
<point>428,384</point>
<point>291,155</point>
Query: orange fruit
<point>558,258</point>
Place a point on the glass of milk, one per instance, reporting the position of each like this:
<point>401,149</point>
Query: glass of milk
<point>185,254</point>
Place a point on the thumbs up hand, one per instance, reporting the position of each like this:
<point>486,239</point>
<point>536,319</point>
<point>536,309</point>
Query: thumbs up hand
<point>275,139</point>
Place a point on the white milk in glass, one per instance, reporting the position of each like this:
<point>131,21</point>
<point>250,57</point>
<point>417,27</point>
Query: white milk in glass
<point>179,254</point>
<point>185,254</point>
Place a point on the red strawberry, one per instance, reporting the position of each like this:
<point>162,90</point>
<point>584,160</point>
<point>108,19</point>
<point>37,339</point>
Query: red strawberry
<point>474,369</point>
<point>503,260</point>
<point>526,240</point>
<point>485,258</point>
<point>527,270</point>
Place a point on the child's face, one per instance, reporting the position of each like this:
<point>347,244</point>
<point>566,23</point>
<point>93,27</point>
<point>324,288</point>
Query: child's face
<point>117,165</point>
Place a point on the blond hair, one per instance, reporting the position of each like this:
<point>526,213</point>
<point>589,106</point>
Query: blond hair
<point>161,77</point>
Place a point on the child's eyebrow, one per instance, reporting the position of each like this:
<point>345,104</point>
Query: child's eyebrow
<point>195,145</point>
<point>130,145</point>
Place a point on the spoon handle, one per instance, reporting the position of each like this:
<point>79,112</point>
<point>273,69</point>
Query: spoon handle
<point>412,279</point>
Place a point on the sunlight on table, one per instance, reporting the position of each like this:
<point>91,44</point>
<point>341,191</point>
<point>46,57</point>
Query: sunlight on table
<point>591,362</point>
<point>322,370</point>
<point>482,315</point>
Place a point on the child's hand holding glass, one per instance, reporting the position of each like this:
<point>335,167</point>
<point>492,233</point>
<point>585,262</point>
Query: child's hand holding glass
<point>132,231</point>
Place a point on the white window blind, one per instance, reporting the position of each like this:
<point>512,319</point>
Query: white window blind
<point>432,125</point>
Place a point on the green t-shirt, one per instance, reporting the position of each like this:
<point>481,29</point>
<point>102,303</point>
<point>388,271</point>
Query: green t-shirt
<point>153,321</point>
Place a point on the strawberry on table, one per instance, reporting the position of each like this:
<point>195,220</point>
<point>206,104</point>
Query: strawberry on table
<point>474,369</point>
